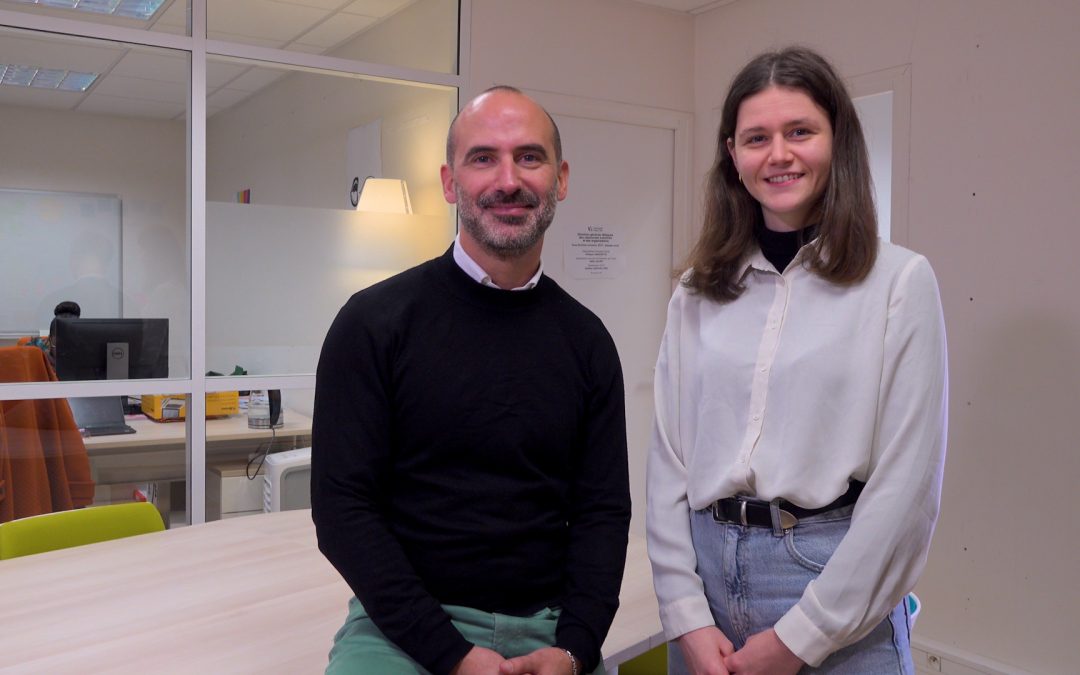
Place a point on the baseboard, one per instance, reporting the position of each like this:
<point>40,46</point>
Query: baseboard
<point>932,657</point>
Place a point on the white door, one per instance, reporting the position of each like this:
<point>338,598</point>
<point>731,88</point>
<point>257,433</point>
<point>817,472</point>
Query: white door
<point>610,247</point>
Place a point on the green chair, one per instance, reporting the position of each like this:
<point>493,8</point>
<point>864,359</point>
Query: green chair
<point>652,662</point>
<point>63,529</point>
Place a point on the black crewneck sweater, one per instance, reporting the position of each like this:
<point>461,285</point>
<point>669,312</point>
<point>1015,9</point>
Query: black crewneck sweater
<point>469,448</point>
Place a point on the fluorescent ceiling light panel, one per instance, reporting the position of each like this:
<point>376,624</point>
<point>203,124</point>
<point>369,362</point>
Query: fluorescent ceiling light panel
<point>45,78</point>
<point>132,9</point>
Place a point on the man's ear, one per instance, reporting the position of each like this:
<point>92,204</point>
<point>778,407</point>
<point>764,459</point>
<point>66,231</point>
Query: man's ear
<point>563,177</point>
<point>446,174</point>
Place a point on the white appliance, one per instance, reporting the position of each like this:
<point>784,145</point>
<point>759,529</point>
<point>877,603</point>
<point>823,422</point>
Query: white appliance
<point>287,481</point>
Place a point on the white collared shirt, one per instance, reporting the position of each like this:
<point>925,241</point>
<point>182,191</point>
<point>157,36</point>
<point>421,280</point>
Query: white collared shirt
<point>473,269</point>
<point>789,391</point>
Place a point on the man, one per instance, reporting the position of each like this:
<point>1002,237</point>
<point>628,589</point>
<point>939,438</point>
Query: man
<point>469,473</point>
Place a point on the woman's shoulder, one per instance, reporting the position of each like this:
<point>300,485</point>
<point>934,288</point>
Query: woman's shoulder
<point>905,273</point>
<point>894,260</point>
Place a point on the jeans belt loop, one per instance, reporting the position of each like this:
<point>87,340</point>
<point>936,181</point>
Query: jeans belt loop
<point>742,513</point>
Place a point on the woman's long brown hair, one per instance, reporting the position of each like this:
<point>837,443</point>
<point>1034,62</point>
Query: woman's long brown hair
<point>846,247</point>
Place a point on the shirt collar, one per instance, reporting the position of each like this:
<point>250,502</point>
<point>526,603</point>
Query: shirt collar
<point>477,273</point>
<point>757,260</point>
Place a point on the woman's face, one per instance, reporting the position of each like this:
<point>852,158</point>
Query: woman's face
<point>782,149</point>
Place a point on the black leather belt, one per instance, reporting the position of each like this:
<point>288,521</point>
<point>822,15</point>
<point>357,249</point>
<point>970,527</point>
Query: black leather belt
<point>758,513</point>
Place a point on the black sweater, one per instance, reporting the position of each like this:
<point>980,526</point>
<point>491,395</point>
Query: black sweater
<point>469,448</point>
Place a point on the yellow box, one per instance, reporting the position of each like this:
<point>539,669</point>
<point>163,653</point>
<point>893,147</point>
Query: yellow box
<point>170,407</point>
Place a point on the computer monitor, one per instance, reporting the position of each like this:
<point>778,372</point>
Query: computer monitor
<point>111,349</point>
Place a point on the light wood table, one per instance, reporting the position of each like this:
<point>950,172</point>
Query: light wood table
<point>151,434</point>
<point>155,452</point>
<point>245,595</point>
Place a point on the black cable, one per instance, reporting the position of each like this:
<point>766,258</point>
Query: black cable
<point>260,454</point>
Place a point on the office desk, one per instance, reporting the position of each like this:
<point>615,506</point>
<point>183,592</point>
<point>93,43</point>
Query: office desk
<point>155,452</point>
<point>242,595</point>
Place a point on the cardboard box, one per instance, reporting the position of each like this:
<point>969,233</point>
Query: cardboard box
<point>170,407</point>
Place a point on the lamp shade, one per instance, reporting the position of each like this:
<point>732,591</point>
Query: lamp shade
<point>384,195</point>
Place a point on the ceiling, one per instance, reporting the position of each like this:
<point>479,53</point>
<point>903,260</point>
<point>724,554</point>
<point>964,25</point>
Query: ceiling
<point>690,6</point>
<point>153,83</point>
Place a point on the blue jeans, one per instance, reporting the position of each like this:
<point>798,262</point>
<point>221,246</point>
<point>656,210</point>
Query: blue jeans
<point>754,575</point>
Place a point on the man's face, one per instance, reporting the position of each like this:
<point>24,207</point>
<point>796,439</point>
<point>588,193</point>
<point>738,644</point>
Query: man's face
<point>505,178</point>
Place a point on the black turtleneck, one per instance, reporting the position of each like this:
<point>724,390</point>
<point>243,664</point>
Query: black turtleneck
<point>780,248</point>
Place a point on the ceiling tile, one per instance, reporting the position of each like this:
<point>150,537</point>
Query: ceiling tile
<point>127,107</point>
<point>226,98</point>
<point>172,30</point>
<point>139,88</point>
<point>321,4</point>
<point>244,39</point>
<point>58,53</point>
<point>256,78</point>
<point>260,19</point>
<point>220,73</point>
<point>376,8</point>
<point>174,17</point>
<point>154,66</point>
<point>335,30</point>
<point>687,5</point>
<point>306,49</point>
<point>39,98</point>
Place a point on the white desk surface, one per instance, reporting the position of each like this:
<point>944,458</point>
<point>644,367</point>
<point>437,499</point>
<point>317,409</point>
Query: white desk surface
<point>242,595</point>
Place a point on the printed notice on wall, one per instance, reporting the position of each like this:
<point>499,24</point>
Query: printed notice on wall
<point>594,252</point>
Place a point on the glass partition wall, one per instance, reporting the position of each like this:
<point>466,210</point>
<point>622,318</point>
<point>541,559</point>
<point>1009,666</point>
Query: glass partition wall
<point>191,179</point>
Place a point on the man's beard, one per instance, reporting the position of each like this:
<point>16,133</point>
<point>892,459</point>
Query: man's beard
<point>525,231</point>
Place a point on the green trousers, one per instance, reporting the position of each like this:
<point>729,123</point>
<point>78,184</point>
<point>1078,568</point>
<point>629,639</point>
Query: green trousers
<point>360,647</point>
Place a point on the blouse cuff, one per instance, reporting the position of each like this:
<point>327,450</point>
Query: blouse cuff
<point>805,639</point>
<point>682,616</point>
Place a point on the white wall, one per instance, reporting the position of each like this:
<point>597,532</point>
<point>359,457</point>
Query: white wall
<point>993,139</point>
<point>144,162</point>
<point>601,49</point>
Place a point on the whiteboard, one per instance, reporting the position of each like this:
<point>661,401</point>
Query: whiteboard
<point>57,246</point>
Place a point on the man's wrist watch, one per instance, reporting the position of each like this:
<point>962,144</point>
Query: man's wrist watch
<point>574,670</point>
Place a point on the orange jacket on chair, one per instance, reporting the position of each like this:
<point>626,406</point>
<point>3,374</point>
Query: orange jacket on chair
<point>43,462</point>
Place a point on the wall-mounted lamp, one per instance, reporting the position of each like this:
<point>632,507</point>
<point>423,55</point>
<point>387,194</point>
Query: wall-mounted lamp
<point>382,195</point>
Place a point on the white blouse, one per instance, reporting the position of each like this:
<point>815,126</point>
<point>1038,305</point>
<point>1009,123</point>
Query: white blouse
<point>789,391</point>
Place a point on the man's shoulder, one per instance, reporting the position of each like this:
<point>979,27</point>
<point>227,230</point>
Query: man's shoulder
<point>388,305</point>
<point>396,290</point>
<point>570,305</point>
<point>576,317</point>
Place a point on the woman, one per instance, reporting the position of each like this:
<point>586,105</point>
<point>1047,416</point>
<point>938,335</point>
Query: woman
<point>795,469</point>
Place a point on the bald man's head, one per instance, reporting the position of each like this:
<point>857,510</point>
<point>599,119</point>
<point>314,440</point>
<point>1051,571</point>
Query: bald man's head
<point>451,136</point>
